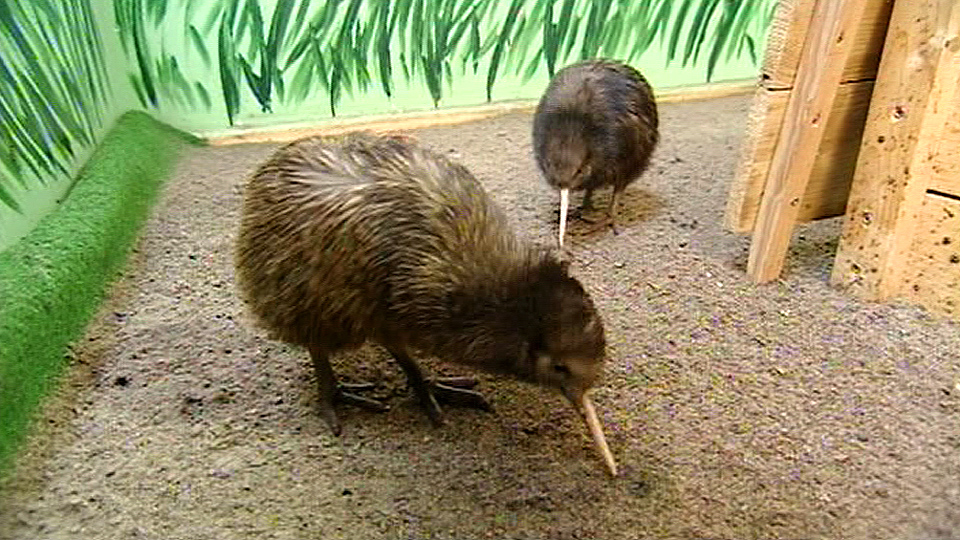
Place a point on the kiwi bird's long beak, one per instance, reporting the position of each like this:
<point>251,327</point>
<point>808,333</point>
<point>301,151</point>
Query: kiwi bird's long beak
<point>584,406</point>
<point>564,205</point>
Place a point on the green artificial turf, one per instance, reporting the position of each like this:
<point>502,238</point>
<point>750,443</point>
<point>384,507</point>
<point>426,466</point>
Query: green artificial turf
<point>53,280</point>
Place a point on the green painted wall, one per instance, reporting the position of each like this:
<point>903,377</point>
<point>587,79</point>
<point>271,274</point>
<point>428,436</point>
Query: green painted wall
<point>304,60</point>
<point>209,65</point>
<point>74,97</point>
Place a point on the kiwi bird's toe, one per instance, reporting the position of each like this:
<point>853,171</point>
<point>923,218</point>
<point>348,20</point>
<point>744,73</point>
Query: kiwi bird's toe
<point>362,402</point>
<point>329,415</point>
<point>599,224</point>
<point>450,392</point>
<point>432,408</point>
<point>457,382</point>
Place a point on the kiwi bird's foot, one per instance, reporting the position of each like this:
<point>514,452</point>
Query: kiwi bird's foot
<point>456,391</point>
<point>601,223</point>
<point>344,394</point>
<point>457,382</point>
<point>591,219</point>
<point>578,214</point>
<point>449,391</point>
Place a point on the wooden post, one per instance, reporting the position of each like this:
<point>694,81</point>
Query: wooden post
<point>829,183</point>
<point>915,90</point>
<point>822,62</point>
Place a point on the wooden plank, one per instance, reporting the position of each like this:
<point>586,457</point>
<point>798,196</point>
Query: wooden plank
<point>452,115</point>
<point>946,167</point>
<point>788,30</point>
<point>829,184</point>
<point>911,103</point>
<point>821,66</point>
<point>785,38</point>
<point>826,196</point>
<point>933,276</point>
<point>743,198</point>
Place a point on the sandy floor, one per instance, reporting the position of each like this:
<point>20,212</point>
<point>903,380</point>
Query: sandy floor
<point>736,412</point>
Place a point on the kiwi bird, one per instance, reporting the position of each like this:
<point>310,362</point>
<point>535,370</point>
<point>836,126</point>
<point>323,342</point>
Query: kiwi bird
<point>372,238</point>
<point>596,125</point>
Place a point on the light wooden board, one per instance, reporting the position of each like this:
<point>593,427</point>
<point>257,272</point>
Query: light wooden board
<point>830,180</point>
<point>829,183</point>
<point>946,166</point>
<point>933,276</point>
<point>789,29</point>
<point>912,103</point>
<point>825,51</point>
<point>423,119</point>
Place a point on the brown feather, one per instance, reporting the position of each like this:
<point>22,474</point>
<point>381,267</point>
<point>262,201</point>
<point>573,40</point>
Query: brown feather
<point>376,238</point>
<point>596,125</point>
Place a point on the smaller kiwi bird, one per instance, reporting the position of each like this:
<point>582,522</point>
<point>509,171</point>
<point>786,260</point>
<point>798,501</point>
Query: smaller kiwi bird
<point>371,238</point>
<point>596,125</point>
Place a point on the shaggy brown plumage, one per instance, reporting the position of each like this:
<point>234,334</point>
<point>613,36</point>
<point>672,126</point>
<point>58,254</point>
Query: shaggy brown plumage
<point>595,126</point>
<point>376,238</point>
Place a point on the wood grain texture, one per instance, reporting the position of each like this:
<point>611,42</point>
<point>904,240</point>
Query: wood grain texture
<point>946,164</point>
<point>933,276</point>
<point>785,38</point>
<point>832,173</point>
<point>789,28</point>
<point>825,52</point>
<point>912,102</point>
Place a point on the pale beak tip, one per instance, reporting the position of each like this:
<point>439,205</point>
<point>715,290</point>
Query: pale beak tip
<point>596,431</point>
<point>564,206</point>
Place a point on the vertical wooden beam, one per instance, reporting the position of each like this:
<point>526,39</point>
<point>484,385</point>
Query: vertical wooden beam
<point>913,99</point>
<point>829,184</point>
<point>824,56</point>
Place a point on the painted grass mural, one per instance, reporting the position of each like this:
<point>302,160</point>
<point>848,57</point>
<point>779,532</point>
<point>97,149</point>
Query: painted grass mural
<point>53,90</point>
<point>216,55</point>
<point>287,50</point>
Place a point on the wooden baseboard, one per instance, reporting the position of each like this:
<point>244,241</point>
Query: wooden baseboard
<point>458,115</point>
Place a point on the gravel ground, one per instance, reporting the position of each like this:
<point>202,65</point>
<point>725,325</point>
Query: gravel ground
<point>735,411</point>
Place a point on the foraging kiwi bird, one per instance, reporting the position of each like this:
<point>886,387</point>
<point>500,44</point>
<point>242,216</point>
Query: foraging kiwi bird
<point>596,125</point>
<point>373,238</point>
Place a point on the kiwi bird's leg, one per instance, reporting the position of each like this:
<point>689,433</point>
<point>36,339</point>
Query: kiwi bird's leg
<point>331,392</point>
<point>587,203</point>
<point>614,200</point>
<point>448,390</point>
<point>420,386</point>
<point>586,206</point>
<point>610,219</point>
<point>564,205</point>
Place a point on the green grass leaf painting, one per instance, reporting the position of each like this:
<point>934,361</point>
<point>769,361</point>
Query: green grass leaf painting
<point>53,90</point>
<point>328,48</point>
<point>230,56</point>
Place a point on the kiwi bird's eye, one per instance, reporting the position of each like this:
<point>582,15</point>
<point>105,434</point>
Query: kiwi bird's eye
<point>561,369</point>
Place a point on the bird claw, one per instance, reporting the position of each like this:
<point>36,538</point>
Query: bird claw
<point>601,223</point>
<point>456,391</point>
<point>456,382</point>
<point>453,391</point>
<point>328,407</point>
